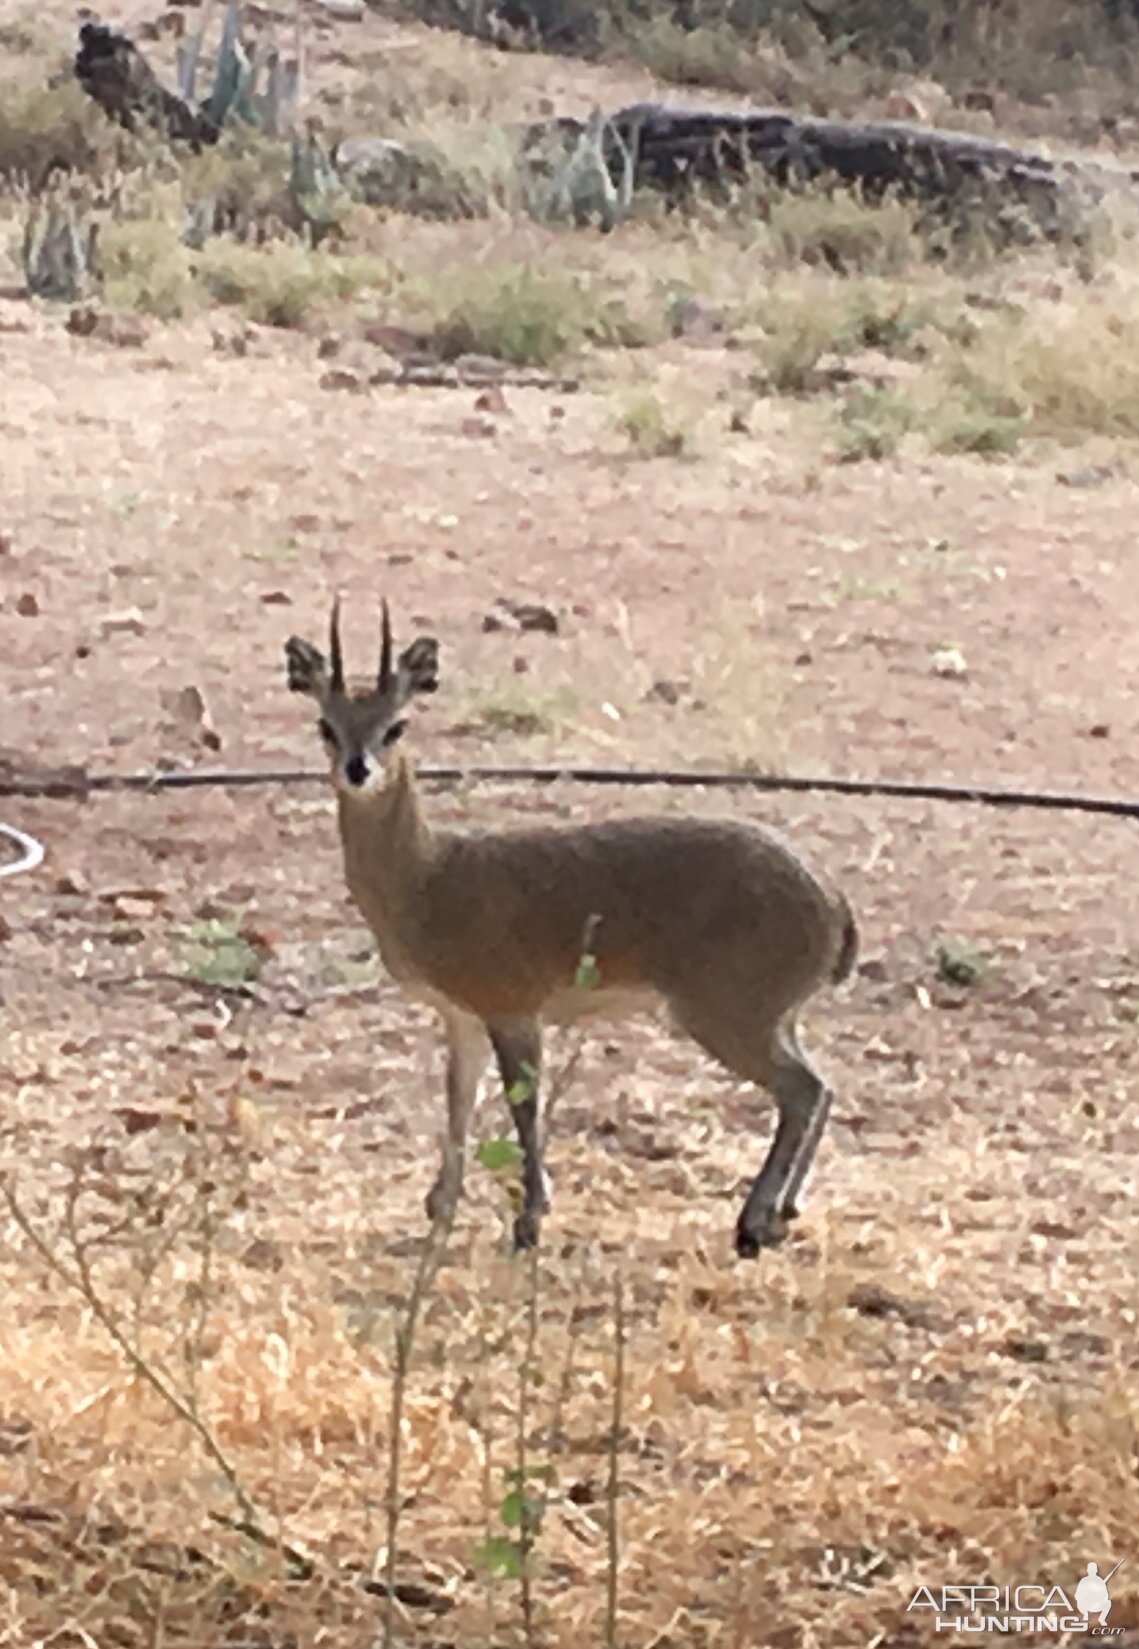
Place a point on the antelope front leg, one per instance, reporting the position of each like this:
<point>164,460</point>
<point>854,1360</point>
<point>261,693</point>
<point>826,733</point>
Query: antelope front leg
<point>519,1053</point>
<point>466,1061</point>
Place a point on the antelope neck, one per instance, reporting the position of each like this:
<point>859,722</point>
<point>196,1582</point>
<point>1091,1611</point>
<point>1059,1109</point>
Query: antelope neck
<point>387,843</point>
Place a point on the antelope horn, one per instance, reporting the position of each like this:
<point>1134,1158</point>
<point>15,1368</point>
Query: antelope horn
<point>336,657</point>
<point>385,676</point>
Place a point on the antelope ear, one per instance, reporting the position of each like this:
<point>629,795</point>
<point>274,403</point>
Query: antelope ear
<point>418,668</point>
<point>307,671</point>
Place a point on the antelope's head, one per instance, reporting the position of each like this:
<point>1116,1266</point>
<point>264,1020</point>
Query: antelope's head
<point>360,727</point>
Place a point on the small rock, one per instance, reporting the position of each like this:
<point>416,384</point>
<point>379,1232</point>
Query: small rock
<point>6,543</point>
<point>72,881</point>
<point>1026,1349</point>
<point>803,659</point>
<point>491,400</point>
<point>276,598</point>
<point>128,622</point>
<point>6,929</point>
<point>328,347</point>
<point>341,377</point>
<point>187,709</point>
<point>345,11</point>
<point>949,662</point>
<point>133,910</point>
<point>664,692</point>
<point>506,614</point>
<point>738,423</point>
<point>1099,730</point>
<point>557,413</point>
<point>379,170</point>
<point>27,605</point>
<point>122,331</point>
<point>230,343</point>
<point>1086,475</point>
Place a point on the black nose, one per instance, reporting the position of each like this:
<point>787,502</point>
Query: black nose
<point>356,770</point>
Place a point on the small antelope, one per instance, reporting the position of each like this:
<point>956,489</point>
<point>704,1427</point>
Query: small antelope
<point>721,921</point>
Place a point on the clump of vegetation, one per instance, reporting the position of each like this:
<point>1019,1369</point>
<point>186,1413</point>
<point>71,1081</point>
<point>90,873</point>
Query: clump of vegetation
<point>282,283</point>
<point>525,316</point>
<point>959,963</point>
<point>840,230</point>
<point>872,422</point>
<point>46,129</point>
<point>217,953</point>
<point>650,432</point>
<point>144,266</point>
<point>975,420</point>
<point>800,329</point>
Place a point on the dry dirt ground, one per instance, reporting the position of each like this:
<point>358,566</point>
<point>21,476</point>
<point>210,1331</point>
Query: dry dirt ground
<point>935,1380</point>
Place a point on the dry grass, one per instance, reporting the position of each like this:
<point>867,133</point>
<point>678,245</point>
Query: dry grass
<point>231,1124</point>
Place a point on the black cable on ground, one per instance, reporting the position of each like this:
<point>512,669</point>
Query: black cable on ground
<point>76,783</point>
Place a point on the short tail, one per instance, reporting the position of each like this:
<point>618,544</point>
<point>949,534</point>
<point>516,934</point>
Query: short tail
<point>848,947</point>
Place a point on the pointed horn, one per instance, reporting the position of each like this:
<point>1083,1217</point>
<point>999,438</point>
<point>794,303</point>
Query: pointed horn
<point>335,656</point>
<point>385,676</point>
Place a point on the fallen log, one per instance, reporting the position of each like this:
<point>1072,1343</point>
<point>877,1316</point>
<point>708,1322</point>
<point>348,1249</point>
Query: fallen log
<point>677,150</point>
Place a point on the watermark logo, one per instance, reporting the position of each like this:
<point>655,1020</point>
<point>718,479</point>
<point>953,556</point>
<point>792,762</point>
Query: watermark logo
<point>1028,1608</point>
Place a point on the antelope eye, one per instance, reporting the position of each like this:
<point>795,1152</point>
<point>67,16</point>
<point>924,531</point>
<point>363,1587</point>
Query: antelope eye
<point>326,731</point>
<point>394,732</point>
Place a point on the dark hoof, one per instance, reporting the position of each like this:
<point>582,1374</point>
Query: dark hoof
<point>770,1235</point>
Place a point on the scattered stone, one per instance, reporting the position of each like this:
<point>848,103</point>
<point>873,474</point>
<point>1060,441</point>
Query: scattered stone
<point>872,1300</point>
<point>1099,730</point>
<point>1086,475</point>
<point>6,929</point>
<point>276,598</point>
<point>738,423</point>
<point>524,616</point>
<point>491,400</point>
<point>664,692</point>
<point>27,605</point>
<point>949,662</point>
<point>128,622</point>
<point>136,1120</point>
<point>345,11</point>
<point>187,709</point>
<point>6,543</point>
<point>342,377</point>
<point>1026,1350</point>
<point>122,331</point>
<point>230,343</point>
<point>132,910</point>
<point>72,881</point>
<point>328,347</point>
<point>379,170</point>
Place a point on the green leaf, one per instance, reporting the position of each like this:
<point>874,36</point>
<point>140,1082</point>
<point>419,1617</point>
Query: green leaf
<point>498,1154</point>
<point>522,1090</point>
<point>588,975</point>
<point>520,1511</point>
<point>501,1555</point>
